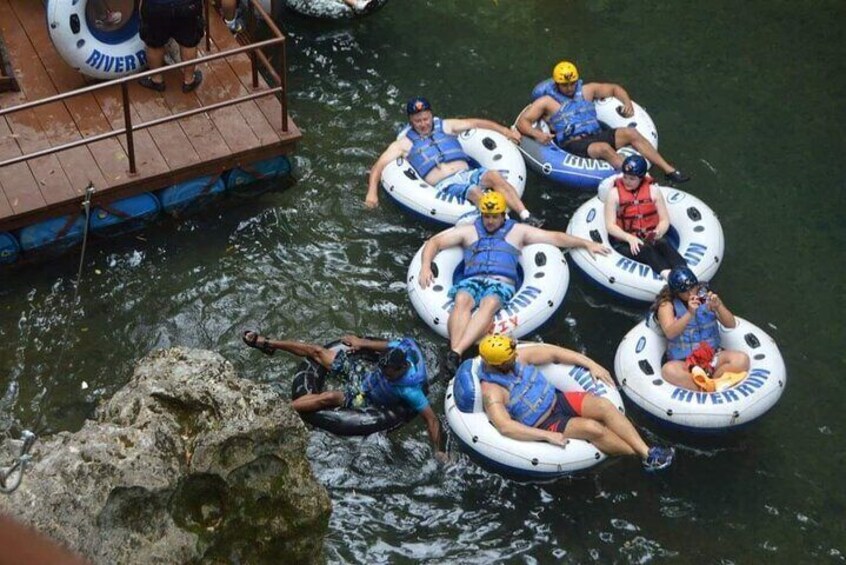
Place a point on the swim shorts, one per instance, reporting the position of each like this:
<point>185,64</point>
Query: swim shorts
<point>567,405</point>
<point>579,147</point>
<point>480,287</point>
<point>460,183</point>
<point>180,19</point>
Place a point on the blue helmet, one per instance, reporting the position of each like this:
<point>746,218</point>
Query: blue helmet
<point>635,165</point>
<point>681,279</point>
<point>417,104</point>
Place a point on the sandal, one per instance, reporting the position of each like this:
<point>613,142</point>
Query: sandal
<point>195,82</point>
<point>147,82</point>
<point>251,338</point>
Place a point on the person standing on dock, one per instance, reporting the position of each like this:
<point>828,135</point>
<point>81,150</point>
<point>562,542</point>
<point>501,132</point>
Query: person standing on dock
<point>431,146</point>
<point>180,20</point>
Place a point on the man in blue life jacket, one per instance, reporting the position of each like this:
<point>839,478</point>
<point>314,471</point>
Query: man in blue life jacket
<point>565,103</point>
<point>395,379</point>
<point>523,405</point>
<point>492,246</point>
<point>431,146</point>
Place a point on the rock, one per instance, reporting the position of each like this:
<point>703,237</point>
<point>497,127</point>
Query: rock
<point>187,462</point>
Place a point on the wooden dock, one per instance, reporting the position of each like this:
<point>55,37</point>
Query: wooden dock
<point>207,142</point>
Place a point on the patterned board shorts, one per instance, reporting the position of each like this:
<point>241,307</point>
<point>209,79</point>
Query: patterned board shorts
<point>351,372</point>
<point>480,287</point>
<point>460,183</point>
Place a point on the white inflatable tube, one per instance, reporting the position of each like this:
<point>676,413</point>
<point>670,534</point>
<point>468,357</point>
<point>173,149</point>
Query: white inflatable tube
<point>522,459</point>
<point>637,365</point>
<point>584,173</point>
<point>694,227</point>
<point>488,148</point>
<point>545,280</point>
<point>93,52</point>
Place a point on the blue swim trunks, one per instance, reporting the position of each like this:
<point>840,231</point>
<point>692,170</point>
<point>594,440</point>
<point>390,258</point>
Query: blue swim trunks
<point>458,184</point>
<point>351,371</point>
<point>480,287</point>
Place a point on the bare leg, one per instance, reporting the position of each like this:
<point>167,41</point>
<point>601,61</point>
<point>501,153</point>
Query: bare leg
<point>459,318</point>
<point>479,325</point>
<point>604,439</point>
<point>317,353</point>
<point>186,54</point>
<point>602,410</point>
<point>227,7</point>
<point>494,180</point>
<point>600,150</point>
<point>319,401</point>
<point>630,136</point>
<point>675,373</point>
<point>731,362</point>
<point>155,59</point>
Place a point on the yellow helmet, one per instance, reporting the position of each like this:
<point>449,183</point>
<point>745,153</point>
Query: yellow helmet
<point>492,203</point>
<point>498,349</point>
<point>565,72</point>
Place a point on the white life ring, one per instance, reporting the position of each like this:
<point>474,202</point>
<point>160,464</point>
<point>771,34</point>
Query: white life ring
<point>637,365</point>
<point>584,173</point>
<point>524,459</point>
<point>93,52</point>
<point>694,228</point>
<point>488,148</point>
<point>545,280</point>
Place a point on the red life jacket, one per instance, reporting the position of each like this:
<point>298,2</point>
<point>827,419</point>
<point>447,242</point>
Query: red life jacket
<point>636,212</point>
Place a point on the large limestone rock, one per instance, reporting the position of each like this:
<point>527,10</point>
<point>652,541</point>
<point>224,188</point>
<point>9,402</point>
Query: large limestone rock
<point>187,462</point>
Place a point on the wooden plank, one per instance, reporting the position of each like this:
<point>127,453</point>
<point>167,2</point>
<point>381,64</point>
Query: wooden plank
<point>19,187</point>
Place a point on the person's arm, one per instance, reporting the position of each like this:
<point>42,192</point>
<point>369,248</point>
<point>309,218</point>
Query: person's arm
<point>672,326</point>
<point>24,544</point>
<point>663,214</point>
<point>456,126</point>
<point>444,240</point>
<point>526,235</point>
<point>356,343</point>
<point>724,315</point>
<point>493,399</point>
<point>394,151</point>
<point>594,90</point>
<point>543,354</point>
<point>536,110</point>
<point>611,226</point>
<point>433,428</point>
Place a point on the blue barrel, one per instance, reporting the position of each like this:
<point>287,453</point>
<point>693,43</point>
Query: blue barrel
<point>188,197</point>
<point>124,216</point>
<point>9,248</point>
<point>263,170</point>
<point>56,234</point>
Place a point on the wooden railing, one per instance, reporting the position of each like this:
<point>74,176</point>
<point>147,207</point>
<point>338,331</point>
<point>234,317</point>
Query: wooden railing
<point>256,56</point>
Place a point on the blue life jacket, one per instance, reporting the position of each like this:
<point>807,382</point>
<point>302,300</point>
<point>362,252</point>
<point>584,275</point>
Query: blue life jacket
<point>530,394</point>
<point>548,88</point>
<point>380,390</point>
<point>437,147</point>
<point>703,327</point>
<point>576,116</point>
<point>491,254</point>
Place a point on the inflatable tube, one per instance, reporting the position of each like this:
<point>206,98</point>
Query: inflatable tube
<point>695,231</point>
<point>584,173</point>
<point>487,148</point>
<point>545,277</point>
<point>520,459</point>
<point>311,378</point>
<point>189,196</point>
<point>10,249</point>
<point>104,51</point>
<point>331,9</point>
<point>124,216</point>
<point>637,365</point>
